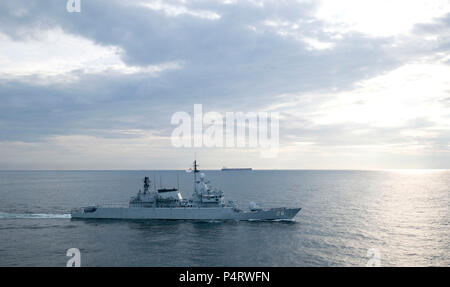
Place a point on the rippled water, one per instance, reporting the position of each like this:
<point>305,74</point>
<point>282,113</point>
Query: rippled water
<point>402,214</point>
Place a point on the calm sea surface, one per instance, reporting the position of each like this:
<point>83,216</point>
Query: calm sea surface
<point>402,215</point>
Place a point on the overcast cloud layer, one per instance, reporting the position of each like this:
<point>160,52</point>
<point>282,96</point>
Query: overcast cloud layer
<point>358,84</point>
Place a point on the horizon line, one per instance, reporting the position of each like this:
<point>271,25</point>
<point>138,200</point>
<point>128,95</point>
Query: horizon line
<point>253,169</point>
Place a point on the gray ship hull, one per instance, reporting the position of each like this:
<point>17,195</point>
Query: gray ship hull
<point>185,213</point>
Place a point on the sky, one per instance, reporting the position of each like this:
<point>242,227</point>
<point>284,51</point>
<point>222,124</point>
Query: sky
<point>357,84</point>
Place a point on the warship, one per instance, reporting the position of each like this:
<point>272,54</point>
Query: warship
<point>207,203</point>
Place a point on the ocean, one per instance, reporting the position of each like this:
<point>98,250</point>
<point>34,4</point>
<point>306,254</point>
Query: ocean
<point>348,218</point>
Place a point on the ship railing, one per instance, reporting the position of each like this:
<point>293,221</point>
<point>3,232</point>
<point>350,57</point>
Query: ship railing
<point>112,205</point>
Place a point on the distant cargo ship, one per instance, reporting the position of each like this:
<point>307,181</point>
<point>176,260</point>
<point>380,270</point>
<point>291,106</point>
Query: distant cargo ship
<point>236,168</point>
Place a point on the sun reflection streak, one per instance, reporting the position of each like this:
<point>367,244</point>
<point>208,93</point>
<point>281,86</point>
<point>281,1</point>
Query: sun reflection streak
<point>415,171</point>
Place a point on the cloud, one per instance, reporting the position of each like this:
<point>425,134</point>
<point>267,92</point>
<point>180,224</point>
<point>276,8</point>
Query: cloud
<point>342,79</point>
<point>61,56</point>
<point>177,10</point>
<point>414,90</point>
<point>379,18</point>
<point>314,44</point>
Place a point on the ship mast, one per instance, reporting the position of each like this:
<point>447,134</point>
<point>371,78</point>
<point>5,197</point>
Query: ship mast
<point>195,176</point>
<point>146,184</point>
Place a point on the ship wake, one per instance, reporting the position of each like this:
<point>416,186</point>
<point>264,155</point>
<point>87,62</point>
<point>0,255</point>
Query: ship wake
<point>5,215</point>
